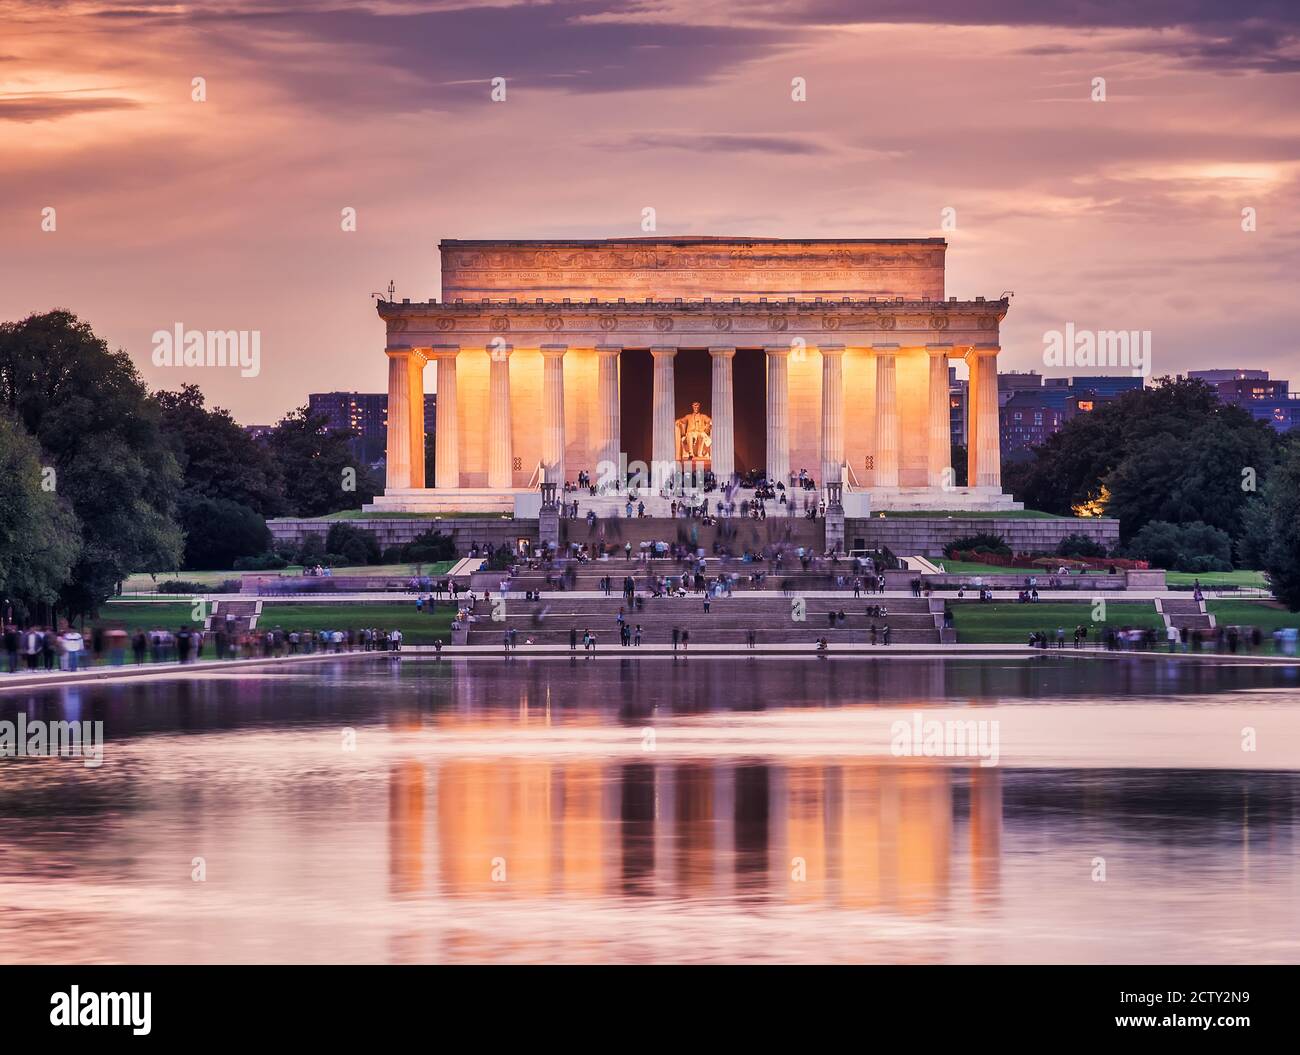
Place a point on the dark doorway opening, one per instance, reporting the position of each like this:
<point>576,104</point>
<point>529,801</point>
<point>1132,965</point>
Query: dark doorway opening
<point>635,399</point>
<point>693,383</point>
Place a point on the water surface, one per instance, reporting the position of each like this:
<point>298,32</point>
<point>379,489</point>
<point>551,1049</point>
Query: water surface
<point>633,810</point>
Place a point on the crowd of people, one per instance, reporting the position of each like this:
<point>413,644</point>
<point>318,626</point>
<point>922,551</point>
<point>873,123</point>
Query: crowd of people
<point>37,648</point>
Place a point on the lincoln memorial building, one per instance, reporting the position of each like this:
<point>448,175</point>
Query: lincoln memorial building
<point>736,356</point>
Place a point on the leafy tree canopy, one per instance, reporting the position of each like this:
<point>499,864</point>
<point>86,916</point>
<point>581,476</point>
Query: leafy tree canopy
<point>320,474</point>
<point>90,413</point>
<point>1169,452</point>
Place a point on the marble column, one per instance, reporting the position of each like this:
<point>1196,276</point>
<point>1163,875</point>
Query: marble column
<point>500,444</point>
<point>664,447</point>
<point>415,388</point>
<point>778,414</point>
<point>939,463</point>
<point>832,414</point>
<point>398,468</point>
<point>446,433</point>
<point>609,421</point>
<point>553,439</point>
<point>723,452</point>
<point>886,416</point>
<point>985,464</point>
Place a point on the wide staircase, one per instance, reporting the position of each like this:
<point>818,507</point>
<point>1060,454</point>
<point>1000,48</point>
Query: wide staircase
<point>775,620</point>
<point>659,506</point>
<point>736,534</point>
<point>245,616</point>
<point>573,576</point>
<point>1186,613</point>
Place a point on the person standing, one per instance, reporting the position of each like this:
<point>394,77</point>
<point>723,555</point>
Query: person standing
<point>677,637</point>
<point>12,640</point>
<point>638,635</point>
<point>32,648</point>
<point>573,639</point>
<point>71,642</point>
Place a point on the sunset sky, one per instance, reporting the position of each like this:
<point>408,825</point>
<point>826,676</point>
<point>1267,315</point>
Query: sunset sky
<point>225,214</point>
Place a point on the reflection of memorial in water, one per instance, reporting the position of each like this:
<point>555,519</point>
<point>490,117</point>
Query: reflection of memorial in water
<point>865,835</point>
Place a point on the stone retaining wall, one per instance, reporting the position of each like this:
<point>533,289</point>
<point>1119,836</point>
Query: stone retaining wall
<point>927,536</point>
<point>397,531</point>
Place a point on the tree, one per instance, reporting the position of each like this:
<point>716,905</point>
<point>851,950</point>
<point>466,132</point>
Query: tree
<point>218,459</point>
<point>1195,547</point>
<point>1282,557</point>
<point>90,413</point>
<point>320,474</point>
<point>39,536</point>
<point>218,532</point>
<point>1172,452</point>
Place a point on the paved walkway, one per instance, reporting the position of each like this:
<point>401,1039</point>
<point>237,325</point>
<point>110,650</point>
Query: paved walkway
<point>108,672</point>
<point>1000,596</point>
<point>610,648</point>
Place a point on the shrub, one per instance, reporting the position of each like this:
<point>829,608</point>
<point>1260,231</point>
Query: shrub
<point>1080,546</point>
<point>432,545</point>
<point>1195,547</point>
<point>501,559</point>
<point>261,562</point>
<point>182,586</point>
<point>981,543</point>
<point>357,545</point>
<point>312,550</point>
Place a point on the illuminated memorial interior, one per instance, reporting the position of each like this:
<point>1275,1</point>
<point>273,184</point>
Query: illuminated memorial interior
<point>735,355</point>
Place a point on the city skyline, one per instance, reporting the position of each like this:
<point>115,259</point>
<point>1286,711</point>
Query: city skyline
<point>228,213</point>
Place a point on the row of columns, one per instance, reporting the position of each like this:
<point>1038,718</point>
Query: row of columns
<point>406,414</point>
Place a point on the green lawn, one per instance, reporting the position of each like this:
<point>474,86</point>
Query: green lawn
<point>132,617</point>
<point>961,567</point>
<point>1267,615</point>
<point>386,615</point>
<point>986,624</point>
<point>416,628</point>
<point>143,583</point>
<point>1217,579</point>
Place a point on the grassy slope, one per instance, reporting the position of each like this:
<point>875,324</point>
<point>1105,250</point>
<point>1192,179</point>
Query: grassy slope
<point>416,628</point>
<point>386,615</point>
<point>1267,615</point>
<point>141,582</point>
<point>983,624</point>
<point>961,567</point>
<point>1214,579</point>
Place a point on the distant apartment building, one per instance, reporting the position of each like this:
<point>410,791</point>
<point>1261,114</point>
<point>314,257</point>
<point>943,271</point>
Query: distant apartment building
<point>1264,398</point>
<point>1033,408</point>
<point>365,416</point>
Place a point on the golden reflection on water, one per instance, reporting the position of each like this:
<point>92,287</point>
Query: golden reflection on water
<point>855,835</point>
